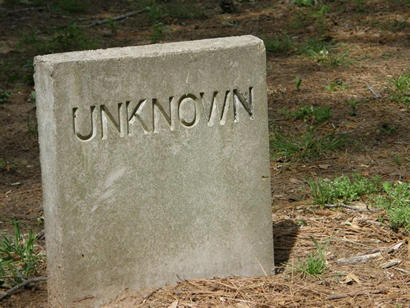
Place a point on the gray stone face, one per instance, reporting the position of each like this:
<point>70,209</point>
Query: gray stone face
<point>155,164</point>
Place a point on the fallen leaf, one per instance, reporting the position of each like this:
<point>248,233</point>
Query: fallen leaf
<point>241,305</point>
<point>324,166</point>
<point>350,278</point>
<point>295,181</point>
<point>174,304</point>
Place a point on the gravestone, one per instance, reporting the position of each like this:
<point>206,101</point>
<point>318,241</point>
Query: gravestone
<point>155,166</point>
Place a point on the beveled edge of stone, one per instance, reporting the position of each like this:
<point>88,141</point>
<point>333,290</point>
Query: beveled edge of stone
<point>154,50</point>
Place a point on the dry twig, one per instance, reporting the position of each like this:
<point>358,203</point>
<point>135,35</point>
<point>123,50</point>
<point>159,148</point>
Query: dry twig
<point>361,258</point>
<point>391,263</point>
<point>331,206</point>
<point>117,18</point>
<point>353,294</point>
<point>21,285</point>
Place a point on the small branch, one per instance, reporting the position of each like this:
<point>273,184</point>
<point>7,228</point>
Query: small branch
<point>332,206</point>
<point>27,9</point>
<point>390,263</point>
<point>40,235</point>
<point>395,247</point>
<point>361,258</point>
<point>402,270</point>
<point>108,20</point>
<point>376,95</point>
<point>353,294</point>
<point>21,285</point>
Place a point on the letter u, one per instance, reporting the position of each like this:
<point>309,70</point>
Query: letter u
<point>93,132</point>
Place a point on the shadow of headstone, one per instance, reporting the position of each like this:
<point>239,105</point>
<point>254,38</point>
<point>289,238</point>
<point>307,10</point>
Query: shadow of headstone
<point>284,234</point>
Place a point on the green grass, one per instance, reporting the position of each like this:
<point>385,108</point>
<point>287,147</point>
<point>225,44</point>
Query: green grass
<point>73,6</point>
<point>337,85</point>
<point>396,202</point>
<point>400,90</point>
<point>157,33</point>
<point>312,47</point>
<point>157,11</point>
<point>307,3</point>
<point>179,10</point>
<point>19,257</point>
<point>323,52</point>
<point>305,146</point>
<point>62,39</point>
<point>343,189</point>
<point>66,38</point>
<point>314,114</point>
<point>279,44</point>
<point>315,264</point>
<point>353,106</point>
<point>4,96</point>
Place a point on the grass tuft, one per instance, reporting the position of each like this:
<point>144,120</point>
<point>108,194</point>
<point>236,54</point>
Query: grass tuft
<point>315,264</point>
<point>4,96</point>
<point>397,204</point>
<point>304,147</point>
<point>311,113</point>
<point>280,44</point>
<point>343,189</point>
<point>400,92</point>
<point>19,257</point>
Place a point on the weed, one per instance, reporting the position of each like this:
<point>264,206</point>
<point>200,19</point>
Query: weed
<point>359,6</point>
<point>179,11</point>
<point>337,85</point>
<point>73,6</point>
<point>6,165</point>
<point>301,20</point>
<point>315,114</point>
<point>280,44</point>
<point>388,128</point>
<point>4,96</point>
<point>397,204</point>
<point>315,19</point>
<point>158,33</point>
<point>307,3</point>
<point>298,82</point>
<point>31,127</point>
<point>330,58</point>
<point>353,106</point>
<point>154,12</point>
<point>397,159</point>
<point>70,38</point>
<point>401,89</point>
<point>113,26</point>
<point>32,97</point>
<point>315,264</point>
<point>301,222</point>
<point>396,25</point>
<point>343,189</point>
<point>305,146</point>
<point>67,38</point>
<point>313,47</point>
<point>19,257</point>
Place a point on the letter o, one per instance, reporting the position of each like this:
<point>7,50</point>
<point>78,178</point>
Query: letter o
<point>183,112</point>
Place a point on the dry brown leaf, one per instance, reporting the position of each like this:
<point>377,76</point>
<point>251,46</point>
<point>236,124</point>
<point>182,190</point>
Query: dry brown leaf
<point>174,304</point>
<point>350,278</point>
<point>295,181</point>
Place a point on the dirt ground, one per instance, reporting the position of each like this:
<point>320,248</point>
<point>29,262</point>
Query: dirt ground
<point>374,38</point>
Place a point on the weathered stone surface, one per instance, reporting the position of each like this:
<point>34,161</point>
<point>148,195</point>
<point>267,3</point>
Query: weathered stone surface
<point>154,164</point>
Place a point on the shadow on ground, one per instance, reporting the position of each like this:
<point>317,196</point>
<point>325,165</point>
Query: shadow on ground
<point>284,238</point>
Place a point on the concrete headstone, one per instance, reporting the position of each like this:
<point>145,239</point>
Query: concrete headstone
<point>155,164</point>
